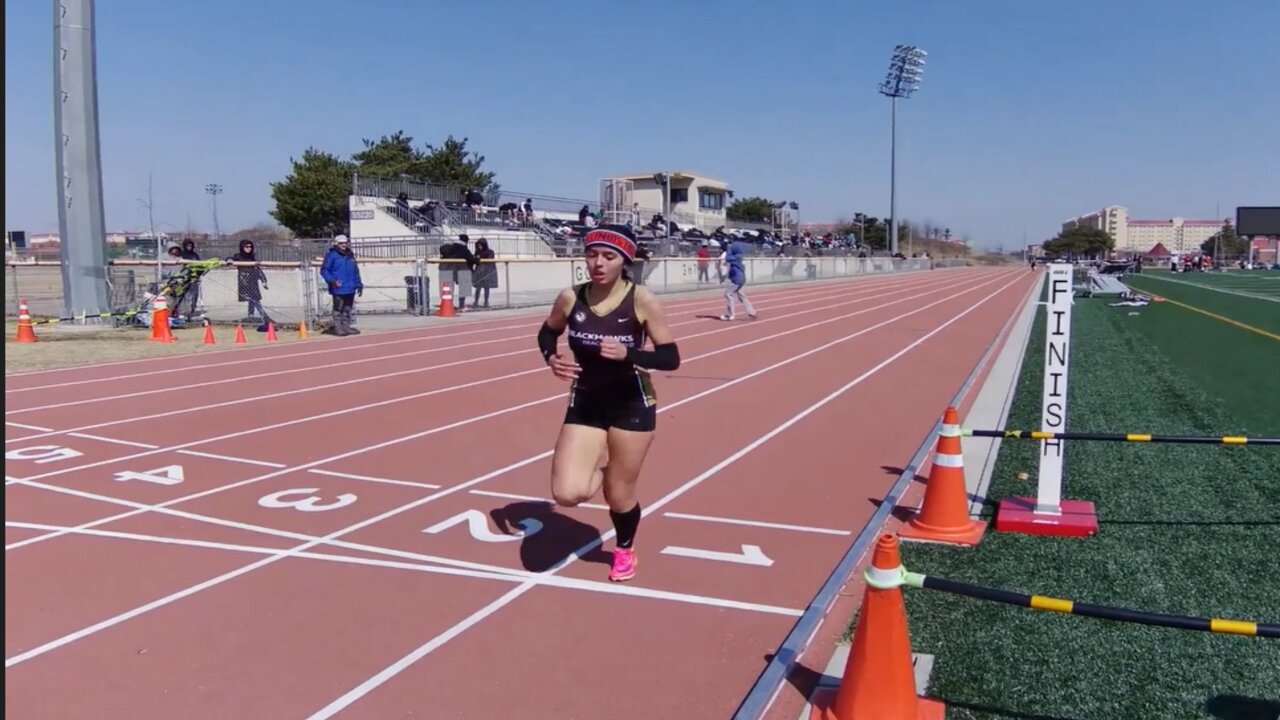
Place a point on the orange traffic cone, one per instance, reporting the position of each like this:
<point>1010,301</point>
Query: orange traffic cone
<point>160,331</point>
<point>446,300</point>
<point>944,514</point>
<point>240,334</point>
<point>878,681</point>
<point>271,332</point>
<point>26,331</point>
<point>302,329</point>
<point>208,333</point>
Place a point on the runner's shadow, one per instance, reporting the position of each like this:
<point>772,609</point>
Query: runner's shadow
<point>1238,707</point>
<point>899,513</point>
<point>554,535</point>
<point>801,677</point>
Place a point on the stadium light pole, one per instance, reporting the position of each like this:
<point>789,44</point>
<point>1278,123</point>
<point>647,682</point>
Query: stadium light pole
<point>905,68</point>
<point>214,190</point>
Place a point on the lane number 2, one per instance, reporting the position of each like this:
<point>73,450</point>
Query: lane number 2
<point>478,525</point>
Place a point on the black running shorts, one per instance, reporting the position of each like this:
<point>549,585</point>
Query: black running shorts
<point>606,410</point>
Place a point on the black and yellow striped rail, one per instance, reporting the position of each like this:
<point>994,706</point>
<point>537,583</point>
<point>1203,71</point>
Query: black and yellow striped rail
<point>84,317</point>
<point>1105,612</point>
<point>1122,437</point>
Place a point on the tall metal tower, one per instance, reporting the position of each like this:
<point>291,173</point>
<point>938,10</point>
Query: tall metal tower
<point>905,68</point>
<point>75,110</point>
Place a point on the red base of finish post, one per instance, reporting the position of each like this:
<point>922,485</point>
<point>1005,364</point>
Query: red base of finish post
<point>1078,518</point>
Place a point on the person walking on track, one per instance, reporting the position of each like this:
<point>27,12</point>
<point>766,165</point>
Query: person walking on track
<point>342,273</point>
<point>733,256</point>
<point>612,412</point>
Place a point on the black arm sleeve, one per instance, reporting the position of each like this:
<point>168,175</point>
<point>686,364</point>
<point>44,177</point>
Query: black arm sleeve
<point>661,357</point>
<point>547,341</point>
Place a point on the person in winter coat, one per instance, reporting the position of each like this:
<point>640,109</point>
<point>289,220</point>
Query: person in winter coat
<point>485,277</point>
<point>458,273</point>
<point>341,273</point>
<point>193,294</point>
<point>248,275</point>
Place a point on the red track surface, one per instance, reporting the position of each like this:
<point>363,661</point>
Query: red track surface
<point>202,598</point>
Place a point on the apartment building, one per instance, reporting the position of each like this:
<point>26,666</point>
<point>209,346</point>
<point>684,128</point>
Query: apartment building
<point>1178,235</point>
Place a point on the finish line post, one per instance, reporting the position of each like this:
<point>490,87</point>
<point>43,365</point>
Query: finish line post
<point>1048,513</point>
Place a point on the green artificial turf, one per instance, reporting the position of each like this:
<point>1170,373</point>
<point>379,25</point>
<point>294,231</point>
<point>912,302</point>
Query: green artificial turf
<point>1256,311</point>
<point>1185,529</point>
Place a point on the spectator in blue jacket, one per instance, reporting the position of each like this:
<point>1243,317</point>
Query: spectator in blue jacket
<point>734,258</point>
<point>342,274</point>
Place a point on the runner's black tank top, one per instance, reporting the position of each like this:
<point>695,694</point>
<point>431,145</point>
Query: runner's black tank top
<point>587,330</point>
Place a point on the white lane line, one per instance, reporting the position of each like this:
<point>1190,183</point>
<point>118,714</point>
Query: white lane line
<point>806,298</point>
<point>549,581</point>
<point>532,498</point>
<point>313,540</point>
<point>849,298</point>
<point>526,584</point>
<point>231,458</point>
<point>422,651</point>
<point>679,306</point>
<point>519,373</point>
<point>99,438</point>
<point>25,426</point>
<point>521,463</point>
<point>757,523</point>
<point>370,478</point>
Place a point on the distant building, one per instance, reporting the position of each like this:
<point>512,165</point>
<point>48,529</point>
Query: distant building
<point>692,199</point>
<point>1178,235</point>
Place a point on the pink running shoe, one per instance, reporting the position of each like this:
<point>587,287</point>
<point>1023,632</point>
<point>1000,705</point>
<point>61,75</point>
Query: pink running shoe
<point>624,565</point>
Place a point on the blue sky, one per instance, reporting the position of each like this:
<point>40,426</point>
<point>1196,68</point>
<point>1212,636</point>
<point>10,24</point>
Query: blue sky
<point>1030,111</point>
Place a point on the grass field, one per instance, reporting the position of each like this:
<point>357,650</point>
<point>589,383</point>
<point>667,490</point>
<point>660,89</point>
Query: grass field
<point>1262,284</point>
<point>1189,530</point>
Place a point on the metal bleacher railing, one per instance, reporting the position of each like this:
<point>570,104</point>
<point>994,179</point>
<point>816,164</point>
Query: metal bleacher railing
<point>402,276</point>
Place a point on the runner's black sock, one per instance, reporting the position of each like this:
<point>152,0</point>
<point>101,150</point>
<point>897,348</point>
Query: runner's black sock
<point>626,524</point>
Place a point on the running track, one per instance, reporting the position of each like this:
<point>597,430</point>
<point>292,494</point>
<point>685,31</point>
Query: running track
<point>355,528</point>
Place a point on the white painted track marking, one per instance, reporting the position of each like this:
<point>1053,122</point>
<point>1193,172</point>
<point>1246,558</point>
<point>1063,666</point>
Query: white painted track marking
<point>524,337</point>
<point>532,498</point>
<point>526,584</point>
<point>678,403</point>
<point>520,373</point>
<point>422,651</point>
<point>231,458</point>
<point>426,334</point>
<point>530,460</point>
<point>24,426</point>
<point>188,411</point>
<point>549,581</point>
<point>369,478</point>
<point>757,523</point>
<point>113,441</point>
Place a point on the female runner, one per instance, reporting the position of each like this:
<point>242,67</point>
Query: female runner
<point>612,409</point>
